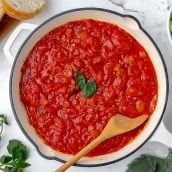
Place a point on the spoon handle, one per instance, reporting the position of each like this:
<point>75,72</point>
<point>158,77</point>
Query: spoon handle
<point>81,153</point>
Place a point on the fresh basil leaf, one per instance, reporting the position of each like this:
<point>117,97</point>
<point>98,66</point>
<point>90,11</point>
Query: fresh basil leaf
<point>164,165</point>
<point>144,163</point>
<point>19,170</point>
<point>89,89</point>
<point>20,155</point>
<point>17,150</point>
<point>16,162</point>
<point>149,163</point>
<point>15,169</point>
<point>5,159</point>
<point>13,146</point>
<point>22,164</point>
<point>80,79</point>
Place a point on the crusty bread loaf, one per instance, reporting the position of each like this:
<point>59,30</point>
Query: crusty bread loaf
<point>1,11</point>
<point>22,9</point>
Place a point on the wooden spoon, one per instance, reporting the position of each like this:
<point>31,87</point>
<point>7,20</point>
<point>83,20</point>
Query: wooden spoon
<point>118,124</point>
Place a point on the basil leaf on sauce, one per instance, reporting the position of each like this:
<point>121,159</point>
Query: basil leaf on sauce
<point>89,89</point>
<point>80,79</point>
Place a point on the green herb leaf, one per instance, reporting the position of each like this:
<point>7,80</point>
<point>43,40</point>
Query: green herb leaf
<point>20,155</point>
<point>13,146</point>
<point>80,79</point>
<point>5,159</point>
<point>16,162</point>
<point>4,119</point>
<point>149,163</point>
<point>22,165</point>
<point>89,89</point>
<point>17,150</point>
<point>142,164</point>
<point>15,169</point>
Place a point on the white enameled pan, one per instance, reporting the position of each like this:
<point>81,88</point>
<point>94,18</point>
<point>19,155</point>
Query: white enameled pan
<point>129,24</point>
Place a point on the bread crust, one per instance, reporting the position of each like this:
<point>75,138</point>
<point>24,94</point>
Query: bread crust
<point>19,15</point>
<point>1,11</point>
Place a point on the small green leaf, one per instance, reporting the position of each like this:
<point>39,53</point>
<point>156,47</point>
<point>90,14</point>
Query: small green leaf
<point>22,164</point>
<point>5,159</point>
<point>144,163</point>
<point>13,146</point>
<point>80,79</point>
<point>1,118</point>
<point>15,169</point>
<point>89,89</point>
<point>20,155</point>
<point>4,119</point>
<point>16,162</point>
<point>17,150</point>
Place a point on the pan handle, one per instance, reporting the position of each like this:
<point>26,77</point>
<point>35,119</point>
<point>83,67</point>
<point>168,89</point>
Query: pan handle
<point>11,40</point>
<point>131,23</point>
<point>162,135</point>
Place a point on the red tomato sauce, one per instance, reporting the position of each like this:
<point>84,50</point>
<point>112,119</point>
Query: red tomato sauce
<point>121,68</point>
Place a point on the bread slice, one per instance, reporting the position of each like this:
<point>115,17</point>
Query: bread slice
<point>1,11</point>
<point>22,9</point>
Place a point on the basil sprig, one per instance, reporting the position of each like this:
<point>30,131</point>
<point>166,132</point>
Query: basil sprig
<point>88,88</point>
<point>15,161</point>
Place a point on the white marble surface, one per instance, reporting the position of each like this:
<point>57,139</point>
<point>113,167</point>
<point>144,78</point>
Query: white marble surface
<point>153,16</point>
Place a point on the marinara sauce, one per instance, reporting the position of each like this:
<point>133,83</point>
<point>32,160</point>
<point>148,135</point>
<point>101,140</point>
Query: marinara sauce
<point>121,68</point>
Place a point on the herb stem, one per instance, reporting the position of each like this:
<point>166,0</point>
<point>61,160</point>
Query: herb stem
<point>1,169</point>
<point>1,128</point>
<point>8,164</point>
<point>3,121</point>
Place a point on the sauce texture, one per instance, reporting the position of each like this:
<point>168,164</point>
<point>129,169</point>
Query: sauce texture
<point>121,68</point>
